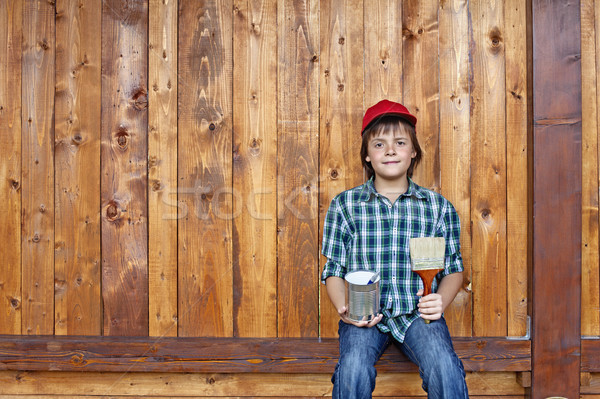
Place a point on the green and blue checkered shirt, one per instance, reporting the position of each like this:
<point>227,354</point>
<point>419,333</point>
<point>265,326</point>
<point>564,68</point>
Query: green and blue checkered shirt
<point>363,230</point>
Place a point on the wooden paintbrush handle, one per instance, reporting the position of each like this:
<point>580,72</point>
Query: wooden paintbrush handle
<point>427,277</point>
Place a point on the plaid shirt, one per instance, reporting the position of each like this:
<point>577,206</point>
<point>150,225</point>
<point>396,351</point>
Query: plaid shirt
<point>363,230</point>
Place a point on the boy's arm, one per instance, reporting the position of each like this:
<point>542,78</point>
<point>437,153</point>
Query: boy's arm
<point>336,290</point>
<point>433,305</point>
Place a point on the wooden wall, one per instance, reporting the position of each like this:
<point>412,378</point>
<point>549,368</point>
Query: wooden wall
<point>165,166</point>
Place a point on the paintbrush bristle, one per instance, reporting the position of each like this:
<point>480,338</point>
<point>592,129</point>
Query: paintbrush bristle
<point>427,252</point>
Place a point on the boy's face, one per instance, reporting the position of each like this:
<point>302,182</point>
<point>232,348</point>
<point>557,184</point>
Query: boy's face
<point>390,154</point>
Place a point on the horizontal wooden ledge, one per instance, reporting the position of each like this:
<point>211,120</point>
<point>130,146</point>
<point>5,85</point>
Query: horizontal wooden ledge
<point>230,355</point>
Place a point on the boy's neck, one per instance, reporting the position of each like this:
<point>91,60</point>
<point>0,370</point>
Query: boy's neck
<point>391,189</point>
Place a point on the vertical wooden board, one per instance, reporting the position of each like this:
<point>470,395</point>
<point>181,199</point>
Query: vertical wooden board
<point>10,165</point>
<point>517,220</point>
<point>590,58</point>
<point>557,185</point>
<point>455,144</point>
<point>382,59</point>
<point>341,103</point>
<point>38,167</point>
<point>204,168</point>
<point>77,308</point>
<point>488,169</point>
<point>420,32</point>
<point>297,165</point>
<point>162,168</point>
<point>255,168</point>
<point>124,167</point>
<point>590,280</point>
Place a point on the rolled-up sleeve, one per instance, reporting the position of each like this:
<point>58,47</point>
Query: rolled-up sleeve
<point>450,229</point>
<point>336,237</point>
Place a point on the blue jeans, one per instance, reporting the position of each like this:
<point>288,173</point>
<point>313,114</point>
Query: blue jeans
<point>427,345</point>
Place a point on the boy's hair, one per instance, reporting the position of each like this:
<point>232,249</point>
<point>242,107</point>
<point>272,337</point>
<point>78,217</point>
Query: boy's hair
<point>383,125</point>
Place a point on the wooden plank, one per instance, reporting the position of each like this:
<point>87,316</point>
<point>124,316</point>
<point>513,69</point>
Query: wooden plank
<point>455,144</point>
<point>255,168</point>
<point>517,152</point>
<point>590,355</point>
<point>590,387</point>
<point>37,242</point>
<point>382,51</point>
<point>10,165</point>
<point>77,310</point>
<point>488,169</point>
<point>297,165</point>
<point>421,83</point>
<point>124,165</point>
<point>162,168</point>
<point>233,355</point>
<point>557,186</point>
<point>590,279</point>
<point>204,168</point>
<point>227,385</point>
<point>341,107</point>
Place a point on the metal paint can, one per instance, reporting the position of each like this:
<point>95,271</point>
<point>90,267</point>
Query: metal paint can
<point>363,298</point>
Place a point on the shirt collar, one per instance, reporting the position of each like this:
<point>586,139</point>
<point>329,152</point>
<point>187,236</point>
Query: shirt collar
<point>368,190</point>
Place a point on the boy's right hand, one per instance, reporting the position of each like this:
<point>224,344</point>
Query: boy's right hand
<point>343,312</point>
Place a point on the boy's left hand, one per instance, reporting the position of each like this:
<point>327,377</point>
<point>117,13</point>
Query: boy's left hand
<point>430,306</point>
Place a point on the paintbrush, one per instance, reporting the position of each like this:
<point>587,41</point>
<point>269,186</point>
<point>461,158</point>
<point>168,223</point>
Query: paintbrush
<point>427,258</point>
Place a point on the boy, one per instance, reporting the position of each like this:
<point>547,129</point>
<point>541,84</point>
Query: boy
<point>368,227</point>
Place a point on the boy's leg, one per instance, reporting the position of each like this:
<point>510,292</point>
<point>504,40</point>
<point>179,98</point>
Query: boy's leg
<point>429,346</point>
<point>360,348</point>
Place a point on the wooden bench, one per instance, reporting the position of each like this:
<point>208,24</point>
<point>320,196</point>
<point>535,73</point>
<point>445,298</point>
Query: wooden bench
<point>231,355</point>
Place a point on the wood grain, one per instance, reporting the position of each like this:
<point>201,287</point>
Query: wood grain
<point>233,355</point>
<point>11,16</point>
<point>297,165</point>
<point>205,169</point>
<point>382,25</point>
<point>37,192</point>
<point>255,168</point>
<point>124,155</point>
<point>455,145</point>
<point>341,106</point>
<point>420,77</point>
<point>517,152</point>
<point>590,289</point>
<point>162,168</point>
<point>398,385</point>
<point>557,165</point>
<point>488,169</point>
<point>77,310</point>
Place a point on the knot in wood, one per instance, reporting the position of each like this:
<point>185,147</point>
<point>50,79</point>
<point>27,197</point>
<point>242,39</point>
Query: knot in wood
<point>341,87</point>
<point>156,186</point>
<point>122,137</point>
<point>36,238</point>
<point>42,208</point>
<point>140,99</point>
<point>485,213</point>
<point>15,303</point>
<point>77,139</point>
<point>255,146</point>
<point>341,40</point>
<point>112,211</point>
<point>333,174</point>
<point>212,126</point>
<point>15,184</point>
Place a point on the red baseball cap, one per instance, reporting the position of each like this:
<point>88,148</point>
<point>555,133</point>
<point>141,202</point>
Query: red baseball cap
<point>386,107</point>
